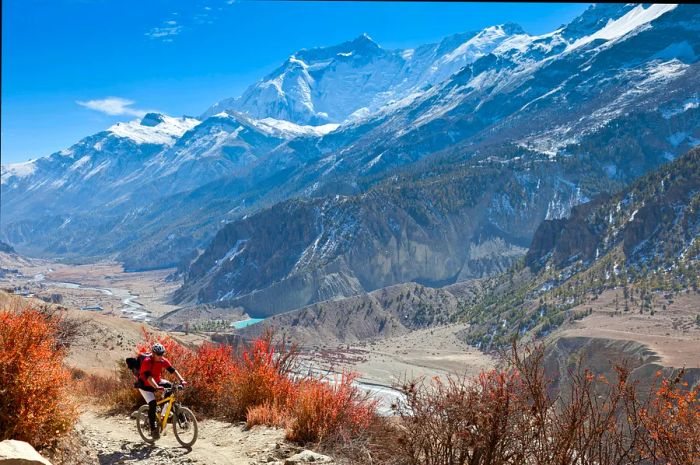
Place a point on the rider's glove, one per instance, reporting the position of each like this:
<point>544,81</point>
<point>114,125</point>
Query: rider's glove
<point>184,383</point>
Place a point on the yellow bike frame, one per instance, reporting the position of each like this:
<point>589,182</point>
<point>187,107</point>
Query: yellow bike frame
<point>170,400</point>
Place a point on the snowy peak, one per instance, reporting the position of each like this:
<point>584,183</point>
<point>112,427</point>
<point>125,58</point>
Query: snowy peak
<point>482,44</point>
<point>362,45</point>
<point>154,128</point>
<point>512,28</point>
<point>152,119</point>
<point>357,78</point>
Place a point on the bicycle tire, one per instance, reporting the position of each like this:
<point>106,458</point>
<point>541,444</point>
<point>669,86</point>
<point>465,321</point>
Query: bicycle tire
<point>142,424</point>
<point>192,422</point>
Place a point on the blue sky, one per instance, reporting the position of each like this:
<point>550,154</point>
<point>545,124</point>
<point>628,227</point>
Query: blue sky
<point>63,59</point>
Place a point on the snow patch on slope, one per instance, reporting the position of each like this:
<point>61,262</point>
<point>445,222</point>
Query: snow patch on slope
<point>274,126</point>
<point>689,104</point>
<point>17,170</point>
<point>164,133</point>
<point>620,27</point>
<point>79,163</point>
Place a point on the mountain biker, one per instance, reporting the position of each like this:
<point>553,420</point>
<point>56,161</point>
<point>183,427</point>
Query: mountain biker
<point>150,384</point>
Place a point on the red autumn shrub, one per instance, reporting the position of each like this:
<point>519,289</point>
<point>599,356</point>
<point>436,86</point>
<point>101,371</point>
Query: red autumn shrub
<point>268,414</point>
<point>34,397</point>
<point>322,409</point>
<point>209,368</point>
<point>261,375</point>
<point>672,421</point>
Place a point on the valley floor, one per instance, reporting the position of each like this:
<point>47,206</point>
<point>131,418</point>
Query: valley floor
<point>136,295</point>
<point>106,336</point>
<point>425,353</point>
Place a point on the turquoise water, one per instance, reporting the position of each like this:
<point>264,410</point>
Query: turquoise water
<point>244,323</point>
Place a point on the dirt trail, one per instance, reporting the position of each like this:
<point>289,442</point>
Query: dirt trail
<point>115,440</point>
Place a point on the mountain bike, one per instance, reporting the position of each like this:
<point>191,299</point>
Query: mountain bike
<point>168,410</point>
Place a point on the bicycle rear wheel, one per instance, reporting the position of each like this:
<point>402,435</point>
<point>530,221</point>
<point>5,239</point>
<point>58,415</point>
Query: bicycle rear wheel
<point>142,424</point>
<point>185,426</point>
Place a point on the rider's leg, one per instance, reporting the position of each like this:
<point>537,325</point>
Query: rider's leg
<point>150,398</point>
<point>152,414</point>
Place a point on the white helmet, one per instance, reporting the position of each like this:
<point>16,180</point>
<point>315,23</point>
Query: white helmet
<point>158,349</point>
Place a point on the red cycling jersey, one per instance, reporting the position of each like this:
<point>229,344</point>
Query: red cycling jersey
<point>153,368</point>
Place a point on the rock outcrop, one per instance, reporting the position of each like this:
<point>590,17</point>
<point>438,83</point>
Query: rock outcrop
<point>14,452</point>
<point>432,231</point>
<point>7,248</point>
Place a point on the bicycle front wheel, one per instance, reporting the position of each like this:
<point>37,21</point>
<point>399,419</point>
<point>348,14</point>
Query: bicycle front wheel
<point>185,427</point>
<point>143,426</point>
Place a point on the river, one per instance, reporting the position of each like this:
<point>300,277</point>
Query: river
<point>131,308</point>
<point>386,396</point>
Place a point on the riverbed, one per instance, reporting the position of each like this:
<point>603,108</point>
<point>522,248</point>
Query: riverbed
<point>131,308</point>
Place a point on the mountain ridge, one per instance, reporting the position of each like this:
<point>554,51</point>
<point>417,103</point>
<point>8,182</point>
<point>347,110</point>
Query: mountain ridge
<point>642,239</point>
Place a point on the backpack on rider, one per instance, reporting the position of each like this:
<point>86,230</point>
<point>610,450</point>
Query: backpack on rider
<point>134,364</point>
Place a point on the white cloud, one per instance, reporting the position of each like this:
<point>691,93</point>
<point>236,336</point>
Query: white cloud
<point>166,31</point>
<point>176,22</point>
<point>113,106</point>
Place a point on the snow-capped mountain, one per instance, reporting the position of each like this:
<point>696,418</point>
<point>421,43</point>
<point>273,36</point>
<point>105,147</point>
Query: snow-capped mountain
<point>589,107</point>
<point>154,156</point>
<point>133,177</point>
<point>544,104</point>
<point>356,78</point>
<point>87,173</point>
<point>595,103</point>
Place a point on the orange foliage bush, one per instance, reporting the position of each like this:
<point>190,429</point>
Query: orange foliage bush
<point>260,376</point>
<point>34,402</point>
<point>321,409</point>
<point>269,414</point>
<point>672,421</point>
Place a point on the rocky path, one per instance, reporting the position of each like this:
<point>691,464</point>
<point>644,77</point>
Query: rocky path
<point>115,440</point>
